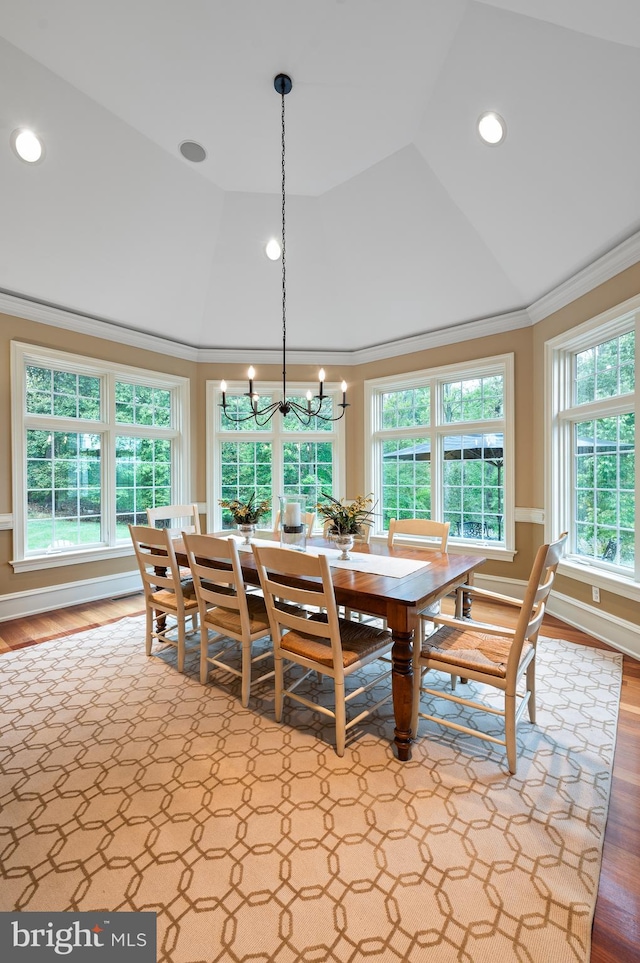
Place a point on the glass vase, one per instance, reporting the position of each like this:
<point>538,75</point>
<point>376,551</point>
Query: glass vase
<point>247,531</point>
<point>345,544</point>
<point>293,528</point>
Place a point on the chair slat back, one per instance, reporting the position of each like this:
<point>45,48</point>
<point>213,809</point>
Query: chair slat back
<point>534,603</point>
<point>175,519</point>
<point>154,552</point>
<point>217,574</point>
<point>434,534</point>
<point>318,591</point>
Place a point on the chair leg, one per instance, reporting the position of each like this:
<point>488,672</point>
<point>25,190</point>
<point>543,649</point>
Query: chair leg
<point>341,718</point>
<point>181,644</point>
<point>531,688</point>
<point>246,673</point>
<point>279,687</point>
<point>148,631</point>
<point>417,680</point>
<point>510,732</point>
<point>204,649</point>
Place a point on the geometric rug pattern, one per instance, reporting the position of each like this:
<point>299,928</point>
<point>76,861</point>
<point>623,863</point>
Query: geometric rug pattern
<point>125,785</point>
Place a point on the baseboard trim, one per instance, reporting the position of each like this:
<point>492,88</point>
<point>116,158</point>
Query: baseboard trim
<point>618,633</point>
<point>20,604</point>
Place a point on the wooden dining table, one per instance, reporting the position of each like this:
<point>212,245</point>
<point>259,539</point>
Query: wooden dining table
<point>398,600</point>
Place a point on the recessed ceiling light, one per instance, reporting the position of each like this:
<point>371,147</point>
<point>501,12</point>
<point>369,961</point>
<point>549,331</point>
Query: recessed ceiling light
<point>192,151</point>
<point>492,128</point>
<point>27,146</point>
<point>273,249</point>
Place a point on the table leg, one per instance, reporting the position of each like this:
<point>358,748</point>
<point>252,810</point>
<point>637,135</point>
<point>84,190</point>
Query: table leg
<point>402,687</point>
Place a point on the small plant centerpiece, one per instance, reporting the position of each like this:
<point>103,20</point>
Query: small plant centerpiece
<point>346,519</point>
<point>246,514</point>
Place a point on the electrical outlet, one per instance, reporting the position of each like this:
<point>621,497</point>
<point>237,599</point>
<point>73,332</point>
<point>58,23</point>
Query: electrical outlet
<point>595,593</point>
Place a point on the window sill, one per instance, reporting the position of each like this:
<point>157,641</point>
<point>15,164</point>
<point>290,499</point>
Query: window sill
<point>35,563</point>
<point>609,581</point>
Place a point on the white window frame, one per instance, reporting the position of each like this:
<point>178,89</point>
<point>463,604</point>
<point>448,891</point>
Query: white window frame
<point>275,433</point>
<point>435,377</point>
<point>108,372</point>
<point>560,414</point>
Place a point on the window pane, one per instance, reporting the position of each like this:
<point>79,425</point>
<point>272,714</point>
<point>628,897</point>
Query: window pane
<point>245,470</point>
<point>308,470</point>
<point>405,409</point>
<point>604,475</point>
<point>606,370</point>
<point>473,486</point>
<point>143,479</point>
<point>62,393</point>
<point>64,506</point>
<point>474,399</point>
<point>143,405</point>
<point>406,471</point>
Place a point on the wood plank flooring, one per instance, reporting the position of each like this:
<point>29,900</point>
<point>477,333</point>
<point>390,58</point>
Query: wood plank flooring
<point>616,928</point>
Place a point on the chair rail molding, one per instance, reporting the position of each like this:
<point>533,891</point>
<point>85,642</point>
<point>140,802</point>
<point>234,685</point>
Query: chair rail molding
<point>533,515</point>
<point>6,522</point>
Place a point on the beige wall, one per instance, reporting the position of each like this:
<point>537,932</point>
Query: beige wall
<point>526,344</point>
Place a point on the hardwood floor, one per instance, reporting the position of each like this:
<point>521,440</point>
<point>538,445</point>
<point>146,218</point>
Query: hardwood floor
<point>616,928</point>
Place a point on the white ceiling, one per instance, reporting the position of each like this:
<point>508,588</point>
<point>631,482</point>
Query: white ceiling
<point>400,221</point>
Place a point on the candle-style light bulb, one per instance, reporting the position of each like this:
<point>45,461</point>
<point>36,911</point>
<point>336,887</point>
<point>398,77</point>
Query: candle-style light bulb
<point>223,389</point>
<point>344,392</point>
<point>321,374</point>
<point>251,372</point>
<point>321,380</point>
<point>309,401</point>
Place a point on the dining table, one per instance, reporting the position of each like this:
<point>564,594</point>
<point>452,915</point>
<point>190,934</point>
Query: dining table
<point>397,596</point>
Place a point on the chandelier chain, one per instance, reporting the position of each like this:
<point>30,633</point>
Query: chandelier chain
<point>284,257</point>
<point>261,415</point>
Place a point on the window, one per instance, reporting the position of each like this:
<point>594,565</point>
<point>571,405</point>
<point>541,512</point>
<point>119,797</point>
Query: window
<point>442,449</point>
<point>95,445</point>
<point>592,480</point>
<point>282,457</point>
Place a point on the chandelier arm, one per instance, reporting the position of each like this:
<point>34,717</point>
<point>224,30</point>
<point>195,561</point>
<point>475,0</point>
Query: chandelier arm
<point>259,413</point>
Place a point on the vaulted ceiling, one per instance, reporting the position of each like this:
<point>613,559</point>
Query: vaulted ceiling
<point>400,220</point>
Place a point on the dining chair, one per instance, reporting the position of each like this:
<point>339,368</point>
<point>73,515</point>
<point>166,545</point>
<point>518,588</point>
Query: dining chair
<point>228,614</point>
<point>323,643</point>
<point>495,655</point>
<point>309,520</point>
<point>175,518</point>
<point>431,534</point>
<point>167,604</point>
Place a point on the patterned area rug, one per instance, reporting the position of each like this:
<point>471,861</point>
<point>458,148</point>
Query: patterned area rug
<point>127,786</point>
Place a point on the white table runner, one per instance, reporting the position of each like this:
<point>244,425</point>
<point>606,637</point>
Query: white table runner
<point>358,561</point>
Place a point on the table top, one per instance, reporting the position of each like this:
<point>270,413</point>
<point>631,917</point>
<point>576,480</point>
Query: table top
<point>362,590</point>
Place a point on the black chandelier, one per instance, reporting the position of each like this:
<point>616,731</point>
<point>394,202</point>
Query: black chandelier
<point>313,408</point>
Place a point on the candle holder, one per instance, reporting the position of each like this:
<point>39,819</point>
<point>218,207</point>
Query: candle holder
<point>293,529</point>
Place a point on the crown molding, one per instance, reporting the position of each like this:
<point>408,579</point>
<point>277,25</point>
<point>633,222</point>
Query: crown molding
<point>20,307</point>
<point>620,258</point>
<point>443,336</point>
